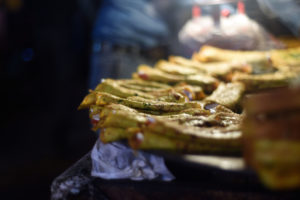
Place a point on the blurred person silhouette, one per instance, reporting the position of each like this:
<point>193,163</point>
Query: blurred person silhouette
<point>126,33</point>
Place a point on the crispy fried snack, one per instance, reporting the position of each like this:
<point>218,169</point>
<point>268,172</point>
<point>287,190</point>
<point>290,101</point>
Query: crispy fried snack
<point>113,134</point>
<point>178,137</point>
<point>207,82</point>
<point>277,168</point>
<point>271,137</point>
<point>266,81</point>
<point>152,141</point>
<point>116,88</point>
<point>191,92</point>
<point>127,118</point>
<point>141,103</point>
<point>88,101</point>
<point>197,134</point>
<point>278,57</point>
<point>176,133</point>
<point>214,54</point>
<point>122,117</point>
<point>222,70</point>
<point>173,68</point>
<point>257,61</point>
<point>286,57</point>
<point>142,86</point>
<point>228,95</point>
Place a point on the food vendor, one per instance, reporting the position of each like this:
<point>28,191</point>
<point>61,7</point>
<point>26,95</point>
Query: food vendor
<point>129,32</point>
<point>125,32</point>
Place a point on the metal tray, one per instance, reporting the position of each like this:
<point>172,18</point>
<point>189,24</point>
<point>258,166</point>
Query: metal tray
<point>225,163</point>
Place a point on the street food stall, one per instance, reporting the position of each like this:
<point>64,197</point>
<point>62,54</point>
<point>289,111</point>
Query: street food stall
<point>216,117</point>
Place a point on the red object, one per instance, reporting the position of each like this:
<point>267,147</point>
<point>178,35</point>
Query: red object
<point>225,12</point>
<point>241,7</point>
<point>94,122</point>
<point>196,11</point>
<point>143,76</point>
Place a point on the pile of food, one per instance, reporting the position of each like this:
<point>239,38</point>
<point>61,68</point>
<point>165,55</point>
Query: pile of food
<point>193,105</point>
<point>188,105</point>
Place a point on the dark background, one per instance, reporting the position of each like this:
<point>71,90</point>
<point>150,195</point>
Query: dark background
<point>44,59</point>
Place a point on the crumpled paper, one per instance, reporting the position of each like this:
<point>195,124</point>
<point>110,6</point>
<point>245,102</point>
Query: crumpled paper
<point>117,161</point>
